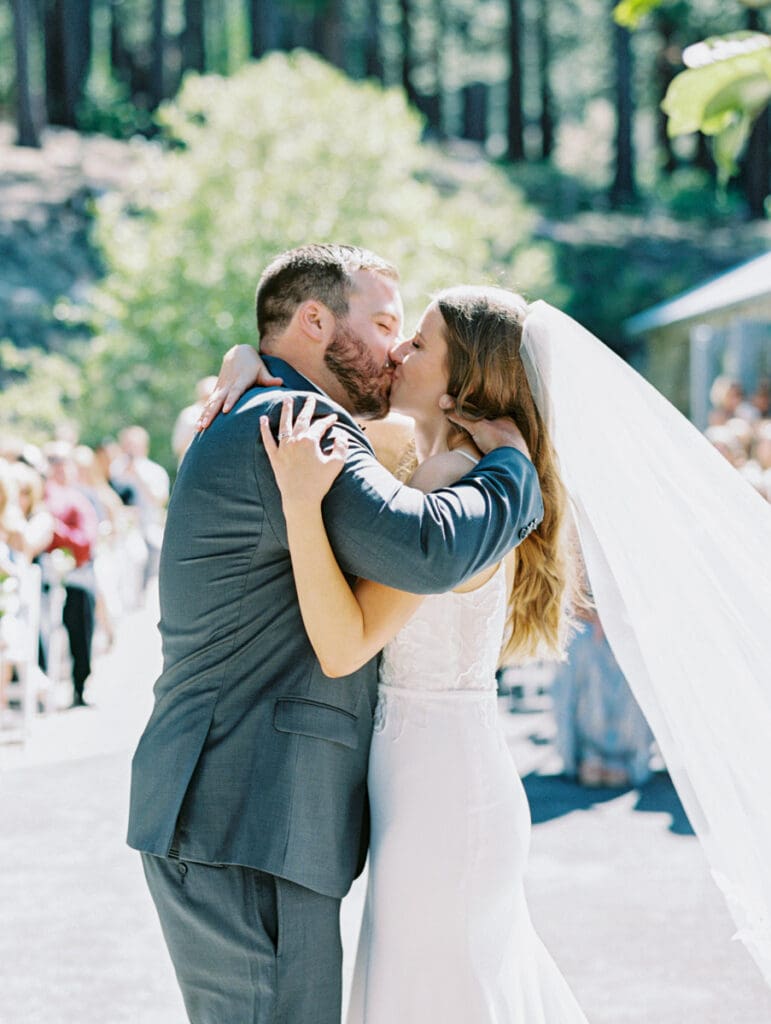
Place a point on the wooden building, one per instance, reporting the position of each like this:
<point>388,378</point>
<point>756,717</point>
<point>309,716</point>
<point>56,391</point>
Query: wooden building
<point>720,327</point>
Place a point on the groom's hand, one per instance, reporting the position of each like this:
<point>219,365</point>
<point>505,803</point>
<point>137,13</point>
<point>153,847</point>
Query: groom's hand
<point>242,368</point>
<point>486,434</point>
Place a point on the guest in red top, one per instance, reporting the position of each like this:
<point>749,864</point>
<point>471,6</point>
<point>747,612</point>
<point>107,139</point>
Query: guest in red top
<point>76,528</point>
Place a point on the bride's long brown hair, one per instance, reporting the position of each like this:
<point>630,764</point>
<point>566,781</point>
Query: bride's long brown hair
<point>483,331</point>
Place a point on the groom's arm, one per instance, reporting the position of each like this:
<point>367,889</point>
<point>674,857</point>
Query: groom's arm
<point>428,543</point>
<point>383,530</point>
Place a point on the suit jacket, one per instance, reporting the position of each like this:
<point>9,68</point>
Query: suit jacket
<point>252,756</point>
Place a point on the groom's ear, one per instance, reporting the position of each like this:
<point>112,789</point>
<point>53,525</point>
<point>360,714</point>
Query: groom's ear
<point>315,322</point>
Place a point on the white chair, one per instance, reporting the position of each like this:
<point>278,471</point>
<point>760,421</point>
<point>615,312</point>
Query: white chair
<point>58,660</point>
<point>528,686</point>
<point>21,653</point>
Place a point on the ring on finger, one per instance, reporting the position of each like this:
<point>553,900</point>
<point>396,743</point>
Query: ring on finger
<point>283,435</point>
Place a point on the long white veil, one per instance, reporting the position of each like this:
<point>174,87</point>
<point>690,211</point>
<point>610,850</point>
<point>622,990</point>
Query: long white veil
<point>678,554</point>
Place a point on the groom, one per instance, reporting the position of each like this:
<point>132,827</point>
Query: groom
<point>248,796</point>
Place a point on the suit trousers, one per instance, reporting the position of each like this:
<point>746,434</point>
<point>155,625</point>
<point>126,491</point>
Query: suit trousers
<point>248,947</point>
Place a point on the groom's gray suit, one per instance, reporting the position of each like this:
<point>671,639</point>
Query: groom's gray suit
<point>252,758</point>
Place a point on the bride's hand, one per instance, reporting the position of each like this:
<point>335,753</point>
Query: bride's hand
<point>487,434</point>
<point>304,473</point>
<point>242,368</point>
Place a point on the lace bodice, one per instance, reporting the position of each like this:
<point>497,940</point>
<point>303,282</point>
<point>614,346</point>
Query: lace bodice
<point>453,641</point>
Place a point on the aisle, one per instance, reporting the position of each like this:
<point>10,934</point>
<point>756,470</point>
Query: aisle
<point>623,901</point>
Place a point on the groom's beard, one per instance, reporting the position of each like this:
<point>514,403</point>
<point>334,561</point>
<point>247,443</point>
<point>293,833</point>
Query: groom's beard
<point>366,382</point>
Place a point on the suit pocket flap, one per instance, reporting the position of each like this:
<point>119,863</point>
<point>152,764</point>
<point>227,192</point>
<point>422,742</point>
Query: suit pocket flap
<point>311,718</point>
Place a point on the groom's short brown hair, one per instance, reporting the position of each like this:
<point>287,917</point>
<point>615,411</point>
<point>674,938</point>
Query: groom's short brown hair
<point>319,271</point>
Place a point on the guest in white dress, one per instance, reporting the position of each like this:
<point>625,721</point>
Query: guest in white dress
<point>447,934</point>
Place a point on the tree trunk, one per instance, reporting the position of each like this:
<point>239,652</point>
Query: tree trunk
<point>475,106</point>
<point>194,36</point>
<point>330,32</point>
<point>756,174</point>
<point>158,54</point>
<point>544,69</point>
<point>702,157</point>
<point>667,66</point>
<point>406,34</point>
<point>67,34</point>
<point>756,166</point>
<point>297,27</point>
<point>373,54</point>
<point>120,57</point>
<point>128,66</point>
<point>435,104</point>
<point>26,129</point>
<point>515,119</point>
<point>623,189</point>
<point>263,27</point>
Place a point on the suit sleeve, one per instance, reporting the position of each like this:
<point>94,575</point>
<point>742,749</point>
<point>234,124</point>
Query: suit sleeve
<point>386,531</point>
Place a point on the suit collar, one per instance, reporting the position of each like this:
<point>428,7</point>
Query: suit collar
<point>293,379</point>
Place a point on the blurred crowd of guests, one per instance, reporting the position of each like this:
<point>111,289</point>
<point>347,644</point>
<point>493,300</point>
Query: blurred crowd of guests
<point>602,737</point>
<point>740,428</point>
<point>91,520</point>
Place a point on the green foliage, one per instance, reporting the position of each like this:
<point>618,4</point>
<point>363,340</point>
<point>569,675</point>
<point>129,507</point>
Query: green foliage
<point>107,108</point>
<point>46,392</point>
<point>617,267</point>
<point>722,94</point>
<point>725,87</point>
<point>630,13</point>
<point>688,194</point>
<point>286,152</point>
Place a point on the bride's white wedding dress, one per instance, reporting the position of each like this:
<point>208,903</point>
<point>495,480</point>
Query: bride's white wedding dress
<point>446,934</point>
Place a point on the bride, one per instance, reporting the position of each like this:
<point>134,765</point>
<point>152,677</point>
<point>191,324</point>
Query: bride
<point>446,932</point>
<point>677,554</point>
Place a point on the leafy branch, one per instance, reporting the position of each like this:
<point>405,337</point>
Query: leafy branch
<point>725,87</point>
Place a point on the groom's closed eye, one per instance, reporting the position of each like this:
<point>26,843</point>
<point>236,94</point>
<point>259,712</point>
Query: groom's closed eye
<point>388,322</point>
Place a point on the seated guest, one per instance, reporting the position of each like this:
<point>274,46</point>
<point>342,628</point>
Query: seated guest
<point>727,400</point>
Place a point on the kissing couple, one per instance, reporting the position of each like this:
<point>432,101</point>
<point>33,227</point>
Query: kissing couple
<point>331,636</point>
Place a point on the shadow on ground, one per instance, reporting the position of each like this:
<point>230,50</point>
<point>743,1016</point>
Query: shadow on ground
<point>552,796</point>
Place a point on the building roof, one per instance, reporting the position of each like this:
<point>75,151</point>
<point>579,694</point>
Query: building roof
<point>748,281</point>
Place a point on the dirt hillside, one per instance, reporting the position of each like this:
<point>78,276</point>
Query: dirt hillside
<point>45,200</point>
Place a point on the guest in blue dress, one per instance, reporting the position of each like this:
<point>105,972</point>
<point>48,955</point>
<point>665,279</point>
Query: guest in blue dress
<point>602,736</point>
